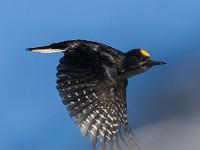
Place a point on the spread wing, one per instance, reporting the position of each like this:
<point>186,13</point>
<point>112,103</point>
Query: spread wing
<point>88,85</point>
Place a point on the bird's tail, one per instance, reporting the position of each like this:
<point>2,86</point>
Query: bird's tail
<point>45,49</point>
<point>56,47</point>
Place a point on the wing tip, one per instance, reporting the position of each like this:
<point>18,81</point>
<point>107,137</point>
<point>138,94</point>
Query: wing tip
<point>84,131</point>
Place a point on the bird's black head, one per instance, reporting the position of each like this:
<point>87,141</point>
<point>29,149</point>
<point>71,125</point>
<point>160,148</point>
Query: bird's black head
<point>138,61</point>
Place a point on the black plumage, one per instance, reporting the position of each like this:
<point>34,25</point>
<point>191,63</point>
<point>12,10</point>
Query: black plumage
<point>92,81</point>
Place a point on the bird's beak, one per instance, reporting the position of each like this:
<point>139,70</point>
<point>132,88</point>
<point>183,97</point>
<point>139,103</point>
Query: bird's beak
<point>151,63</point>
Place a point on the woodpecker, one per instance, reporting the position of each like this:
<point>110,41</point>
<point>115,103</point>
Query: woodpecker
<point>92,80</point>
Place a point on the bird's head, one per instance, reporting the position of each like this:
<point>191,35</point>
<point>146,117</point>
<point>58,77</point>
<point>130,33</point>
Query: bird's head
<point>138,61</point>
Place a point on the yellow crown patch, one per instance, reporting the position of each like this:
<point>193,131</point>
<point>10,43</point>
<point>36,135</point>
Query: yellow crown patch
<point>144,53</point>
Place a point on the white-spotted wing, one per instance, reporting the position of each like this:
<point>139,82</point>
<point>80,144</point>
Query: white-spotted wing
<point>94,96</point>
<point>95,99</point>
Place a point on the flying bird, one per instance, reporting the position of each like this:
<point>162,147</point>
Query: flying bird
<point>92,79</point>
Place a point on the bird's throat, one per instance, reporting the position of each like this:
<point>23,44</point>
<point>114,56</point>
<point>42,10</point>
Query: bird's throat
<point>131,72</point>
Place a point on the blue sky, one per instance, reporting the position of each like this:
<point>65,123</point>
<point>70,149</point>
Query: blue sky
<point>32,115</point>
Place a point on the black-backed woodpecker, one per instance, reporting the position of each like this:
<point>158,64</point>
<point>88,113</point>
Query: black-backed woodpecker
<point>92,80</point>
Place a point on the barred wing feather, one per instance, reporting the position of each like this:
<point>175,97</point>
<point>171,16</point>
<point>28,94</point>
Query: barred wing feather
<point>94,96</point>
<point>97,105</point>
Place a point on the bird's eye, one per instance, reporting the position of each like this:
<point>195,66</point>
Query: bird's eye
<point>144,53</point>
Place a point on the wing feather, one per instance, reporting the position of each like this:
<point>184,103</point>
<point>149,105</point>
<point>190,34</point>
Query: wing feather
<point>88,86</point>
